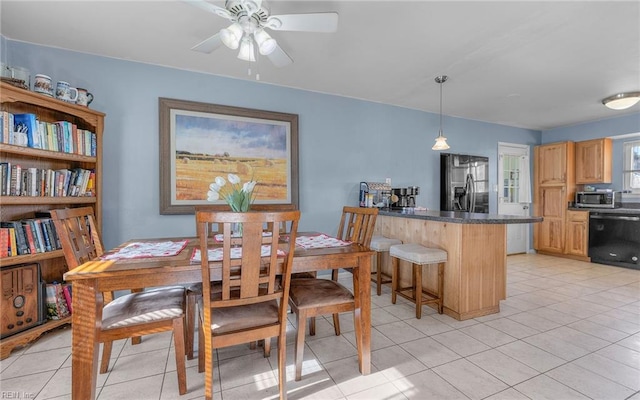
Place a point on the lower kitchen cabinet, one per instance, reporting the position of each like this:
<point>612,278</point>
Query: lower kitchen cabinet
<point>577,233</point>
<point>550,233</point>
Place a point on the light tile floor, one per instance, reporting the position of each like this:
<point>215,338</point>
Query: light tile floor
<point>568,330</point>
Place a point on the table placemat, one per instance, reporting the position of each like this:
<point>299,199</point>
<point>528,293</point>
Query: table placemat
<point>320,241</point>
<point>148,250</point>
<point>236,252</point>
<point>219,237</point>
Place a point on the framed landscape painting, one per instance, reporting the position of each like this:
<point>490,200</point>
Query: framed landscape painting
<point>200,141</point>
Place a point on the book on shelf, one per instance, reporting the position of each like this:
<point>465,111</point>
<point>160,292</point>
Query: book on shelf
<point>7,127</point>
<point>15,185</point>
<point>66,290</point>
<point>26,226</point>
<point>13,247</point>
<point>4,242</point>
<point>45,235</point>
<point>56,302</point>
<point>5,173</point>
<point>28,124</point>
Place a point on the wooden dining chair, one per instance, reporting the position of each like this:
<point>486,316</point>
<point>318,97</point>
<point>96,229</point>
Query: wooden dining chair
<point>242,301</point>
<point>311,297</point>
<point>194,291</point>
<point>131,315</point>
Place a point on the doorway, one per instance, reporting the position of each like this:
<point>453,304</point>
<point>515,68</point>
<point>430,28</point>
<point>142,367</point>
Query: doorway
<point>514,192</point>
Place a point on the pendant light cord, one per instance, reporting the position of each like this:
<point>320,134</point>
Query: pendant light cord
<point>440,134</point>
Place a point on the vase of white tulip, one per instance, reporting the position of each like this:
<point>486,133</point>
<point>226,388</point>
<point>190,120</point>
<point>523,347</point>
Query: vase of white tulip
<point>239,196</point>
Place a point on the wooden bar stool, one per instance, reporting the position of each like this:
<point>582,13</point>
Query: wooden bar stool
<point>418,256</point>
<point>381,244</point>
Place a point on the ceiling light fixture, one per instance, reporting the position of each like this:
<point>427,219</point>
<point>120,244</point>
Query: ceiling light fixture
<point>441,141</point>
<point>247,29</point>
<point>246,50</point>
<point>266,44</point>
<point>232,35</point>
<point>622,101</point>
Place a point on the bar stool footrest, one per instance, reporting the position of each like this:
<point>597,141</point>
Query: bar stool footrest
<point>384,277</point>
<point>431,298</point>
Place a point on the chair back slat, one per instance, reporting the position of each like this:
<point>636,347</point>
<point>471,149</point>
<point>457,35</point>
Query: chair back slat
<point>78,234</point>
<point>251,278</point>
<point>357,224</point>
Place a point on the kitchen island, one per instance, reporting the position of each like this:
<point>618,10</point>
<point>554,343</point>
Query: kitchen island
<point>475,273</point>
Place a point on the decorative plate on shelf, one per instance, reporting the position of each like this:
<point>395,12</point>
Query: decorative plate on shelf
<point>15,82</point>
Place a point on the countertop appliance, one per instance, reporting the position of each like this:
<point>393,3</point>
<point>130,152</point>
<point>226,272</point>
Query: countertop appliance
<point>614,239</point>
<point>404,197</point>
<point>598,199</point>
<point>375,194</point>
<point>464,183</point>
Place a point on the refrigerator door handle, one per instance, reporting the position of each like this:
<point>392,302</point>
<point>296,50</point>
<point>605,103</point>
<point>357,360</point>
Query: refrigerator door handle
<point>471,193</point>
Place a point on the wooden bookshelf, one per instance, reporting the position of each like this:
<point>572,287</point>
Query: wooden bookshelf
<point>16,100</point>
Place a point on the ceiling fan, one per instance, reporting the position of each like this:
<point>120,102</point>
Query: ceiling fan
<point>250,20</point>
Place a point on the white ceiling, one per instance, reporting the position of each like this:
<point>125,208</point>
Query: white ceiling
<point>537,65</point>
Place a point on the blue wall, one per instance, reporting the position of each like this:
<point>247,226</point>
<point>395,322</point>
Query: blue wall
<point>342,141</point>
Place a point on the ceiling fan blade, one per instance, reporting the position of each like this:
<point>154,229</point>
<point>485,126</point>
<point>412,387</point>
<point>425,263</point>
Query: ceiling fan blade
<point>279,58</point>
<point>315,22</point>
<point>203,5</point>
<point>208,45</point>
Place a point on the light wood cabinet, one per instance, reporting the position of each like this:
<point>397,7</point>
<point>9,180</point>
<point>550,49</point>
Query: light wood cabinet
<point>554,188</point>
<point>593,161</point>
<point>552,170</point>
<point>16,100</point>
<point>577,233</point>
<point>551,231</point>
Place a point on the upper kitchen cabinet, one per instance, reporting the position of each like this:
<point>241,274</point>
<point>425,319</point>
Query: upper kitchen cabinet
<point>552,163</point>
<point>593,161</point>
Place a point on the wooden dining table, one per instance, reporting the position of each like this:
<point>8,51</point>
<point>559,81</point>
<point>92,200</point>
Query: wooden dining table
<point>92,278</point>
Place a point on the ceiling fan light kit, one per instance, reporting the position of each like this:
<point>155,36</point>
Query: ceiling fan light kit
<point>246,52</point>
<point>622,101</point>
<point>266,44</point>
<point>441,141</point>
<point>232,35</point>
<point>249,20</point>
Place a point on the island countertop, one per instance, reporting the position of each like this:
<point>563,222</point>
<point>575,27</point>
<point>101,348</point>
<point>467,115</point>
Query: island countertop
<point>459,217</point>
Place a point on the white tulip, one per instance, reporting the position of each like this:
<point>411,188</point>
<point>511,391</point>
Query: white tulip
<point>248,186</point>
<point>214,187</point>
<point>233,179</point>
<point>220,181</point>
<point>212,195</point>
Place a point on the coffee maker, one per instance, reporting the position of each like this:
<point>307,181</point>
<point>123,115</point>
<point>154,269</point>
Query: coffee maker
<point>404,197</point>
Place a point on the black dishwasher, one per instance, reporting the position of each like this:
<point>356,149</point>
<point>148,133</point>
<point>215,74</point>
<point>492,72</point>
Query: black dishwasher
<point>614,239</point>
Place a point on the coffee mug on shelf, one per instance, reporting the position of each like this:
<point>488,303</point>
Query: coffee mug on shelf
<point>84,97</point>
<point>42,84</point>
<point>65,92</point>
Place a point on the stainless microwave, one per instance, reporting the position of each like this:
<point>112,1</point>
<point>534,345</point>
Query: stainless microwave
<point>598,199</point>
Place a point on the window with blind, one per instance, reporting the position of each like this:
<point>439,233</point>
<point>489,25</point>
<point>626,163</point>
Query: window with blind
<point>631,168</point>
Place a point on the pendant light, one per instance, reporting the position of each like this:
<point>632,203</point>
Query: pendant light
<point>441,141</point>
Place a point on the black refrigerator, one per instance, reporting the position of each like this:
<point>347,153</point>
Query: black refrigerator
<point>464,183</point>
